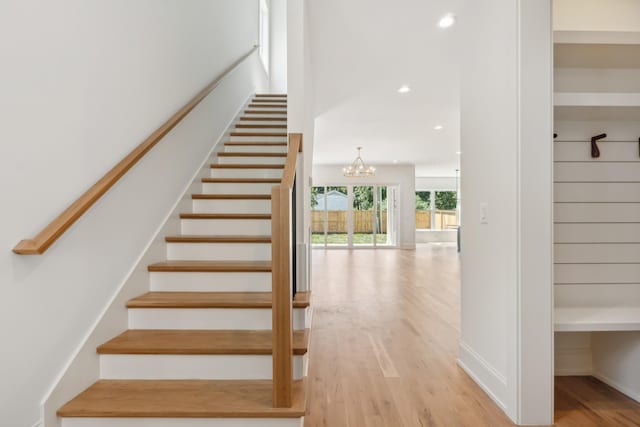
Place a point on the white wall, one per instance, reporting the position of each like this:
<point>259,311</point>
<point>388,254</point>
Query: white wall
<point>83,83</point>
<point>615,360</point>
<point>401,175</point>
<point>278,48</point>
<point>506,329</point>
<point>435,183</point>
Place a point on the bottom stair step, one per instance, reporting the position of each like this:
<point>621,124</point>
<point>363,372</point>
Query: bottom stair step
<point>181,399</point>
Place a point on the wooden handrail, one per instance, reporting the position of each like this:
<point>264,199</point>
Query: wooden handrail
<point>282,308</point>
<point>45,238</point>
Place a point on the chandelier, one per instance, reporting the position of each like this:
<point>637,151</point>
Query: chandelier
<point>358,169</point>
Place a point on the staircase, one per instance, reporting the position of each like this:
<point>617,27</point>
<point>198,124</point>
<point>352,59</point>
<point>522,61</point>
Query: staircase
<point>199,347</point>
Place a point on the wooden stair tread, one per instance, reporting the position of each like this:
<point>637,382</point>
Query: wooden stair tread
<point>252,134</point>
<point>260,126</point>
<point>242,180</point>
<point>217,239</point>
<point>284,113</point>
<point>211,300</point>
<point>231,196</point>
<point>224,216</point>
<point>182,399</point>
<point>159,341</point>
<point>268,99</point>
<point>246,166</point>
<point>270,105</point>
<point>277,95</point>
<point>263,119</point>
<point>251,154</point>
<point>212,266</point>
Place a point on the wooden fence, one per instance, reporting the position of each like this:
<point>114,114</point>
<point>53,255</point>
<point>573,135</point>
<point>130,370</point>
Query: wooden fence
<point>445,220</point>
<point>337,222</point>
<point>363,221</point>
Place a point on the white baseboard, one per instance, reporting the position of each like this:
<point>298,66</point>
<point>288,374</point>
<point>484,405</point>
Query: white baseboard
<point>486,376</point>
<point>633,394</point>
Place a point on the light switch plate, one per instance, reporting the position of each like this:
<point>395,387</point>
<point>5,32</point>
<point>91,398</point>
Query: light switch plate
<point>484,213</point>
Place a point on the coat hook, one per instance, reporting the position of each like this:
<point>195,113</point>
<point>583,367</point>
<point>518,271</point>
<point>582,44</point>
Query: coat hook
<point>638,146</point>
<point>555,135</point>
<point>595,151</point>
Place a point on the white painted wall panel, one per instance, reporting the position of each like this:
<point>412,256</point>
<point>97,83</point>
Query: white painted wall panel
<point>599,192</point>
<point>596,273</point>
<point>597,172</point>
<point>610,149</point>
<point>597,295</point>
<point>594,253</point>
<point>597,233</point>
<point>597,212</point>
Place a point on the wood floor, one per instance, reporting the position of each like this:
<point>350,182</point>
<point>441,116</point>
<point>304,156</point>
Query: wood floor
<point>384,347</point>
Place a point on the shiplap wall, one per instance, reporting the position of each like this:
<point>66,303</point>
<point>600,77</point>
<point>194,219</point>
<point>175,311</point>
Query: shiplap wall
<point>597,214</point>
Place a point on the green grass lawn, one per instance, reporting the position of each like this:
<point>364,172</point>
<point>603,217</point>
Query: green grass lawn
<point>341,238</point>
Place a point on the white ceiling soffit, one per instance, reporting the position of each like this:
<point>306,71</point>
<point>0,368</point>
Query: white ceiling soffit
<point>362,51</point>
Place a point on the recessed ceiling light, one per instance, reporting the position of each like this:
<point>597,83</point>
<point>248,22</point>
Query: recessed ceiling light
<point>404,89</point>
<point>395,161</point>
<point>458,152</point>
<point>447,20</point>
<point>438,127</point>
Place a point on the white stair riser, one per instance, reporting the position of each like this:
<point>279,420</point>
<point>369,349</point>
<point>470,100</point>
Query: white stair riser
<point>240,160</point>
<point>268,106</point>
<point>182,422</point>
<point>257,138</point>
<point>210,282</point>
<point>258,116</point>
<point>256,148</point>
<point>219,251</point>
<point>232,206</point>
<point>246,173</point>
<point>226,227</point>
<point>261,129</point>
<point>237,188</point>
<point>253,121</point>
<point>186,367</point>
<point>208,318</point>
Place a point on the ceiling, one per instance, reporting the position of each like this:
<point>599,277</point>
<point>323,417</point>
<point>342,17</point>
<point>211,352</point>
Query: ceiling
<point>362,51</point>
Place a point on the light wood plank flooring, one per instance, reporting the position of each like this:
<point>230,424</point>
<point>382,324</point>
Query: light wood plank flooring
<point>384,347</point>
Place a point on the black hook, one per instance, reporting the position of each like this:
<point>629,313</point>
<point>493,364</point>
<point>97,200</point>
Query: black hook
<point>555,135</point>
<point>595,151</point>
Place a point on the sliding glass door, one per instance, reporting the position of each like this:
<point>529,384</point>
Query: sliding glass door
<point>353,216</point>
<point>364,228</point>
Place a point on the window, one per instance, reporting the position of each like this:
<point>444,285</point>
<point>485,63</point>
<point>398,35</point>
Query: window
<point>423,210</point>
<point>436,210</point>
<point>264,34</point>
<point>446,210</point>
